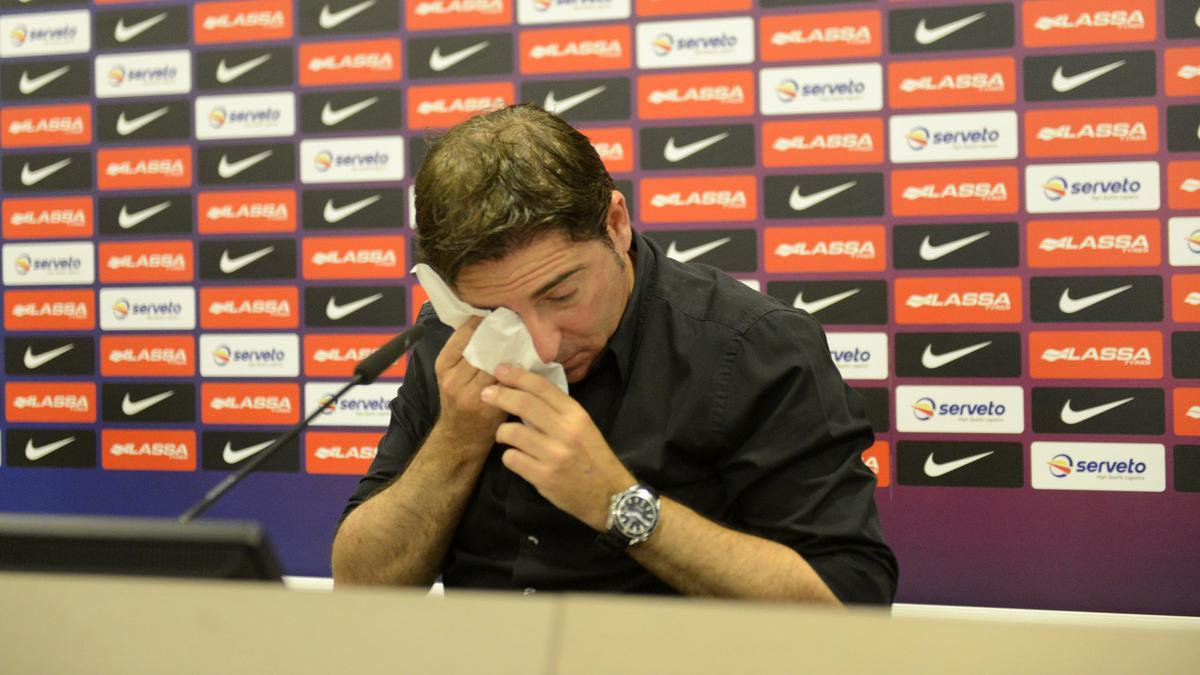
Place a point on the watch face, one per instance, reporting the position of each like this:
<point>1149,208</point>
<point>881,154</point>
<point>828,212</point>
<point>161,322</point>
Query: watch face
<point>636,515</point>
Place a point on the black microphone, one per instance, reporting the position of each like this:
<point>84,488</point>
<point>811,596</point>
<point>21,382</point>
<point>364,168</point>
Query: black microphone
<point>364,373</point>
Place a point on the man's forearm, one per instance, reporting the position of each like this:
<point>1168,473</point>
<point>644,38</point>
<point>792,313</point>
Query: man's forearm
<point>699,557</point>
<point>400,535</point>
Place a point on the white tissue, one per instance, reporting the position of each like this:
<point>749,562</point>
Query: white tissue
<point>501,338</point>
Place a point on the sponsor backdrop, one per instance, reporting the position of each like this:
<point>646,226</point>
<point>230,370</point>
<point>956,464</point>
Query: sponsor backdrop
<point>990,206</point>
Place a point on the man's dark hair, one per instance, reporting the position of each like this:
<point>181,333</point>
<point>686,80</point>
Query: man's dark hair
<point>501,180</point>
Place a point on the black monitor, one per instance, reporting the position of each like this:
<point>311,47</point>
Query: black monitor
<point>135,546</point>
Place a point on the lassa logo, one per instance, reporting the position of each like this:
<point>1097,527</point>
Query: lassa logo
<point>675,7</point>
<point>699,199</point>
<point>1183,185</point>
<point>824,142</point>
<point>825,249</point>
<point>1130,242</point>
<point>148,450</point>
<point>1061,22</point>
<point>226,307</point>
<point>443,14</point>
<point>335,355</point>
<point>954,191</point>
<point>573,50</point>
<point>247,211</point>
<point>251,21</point>
<point>441,107</point>
<point>45,126</point>
<point>58,218</point>
<point>1187,411</point>
<point>958,300</point>
<point>50,402</point>
<point>1096,355</point>
<point>615,147</point>
<point>1181,70</point>
<point>142,168</point>
<point>1185,298</point>
<point>356,62</point>
<point>142,356</point>
<point>354,257</point>
<point>833,35</point>
<point>963,82</point>
<point>339,452</point>
<point>701,94</point>
<point>878,460</point>
<point>256,403</point>
<point>1089,132</point>
<point>49,310</point>
<point>142,261</point>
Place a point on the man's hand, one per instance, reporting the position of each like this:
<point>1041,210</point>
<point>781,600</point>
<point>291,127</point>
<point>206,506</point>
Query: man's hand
<point>464,417</point>
<point>556,446</point>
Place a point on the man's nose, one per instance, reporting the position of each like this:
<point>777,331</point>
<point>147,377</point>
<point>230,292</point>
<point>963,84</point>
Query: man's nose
<point>545,334</point>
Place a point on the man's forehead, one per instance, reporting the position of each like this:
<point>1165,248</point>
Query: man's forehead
<point>527,271</point>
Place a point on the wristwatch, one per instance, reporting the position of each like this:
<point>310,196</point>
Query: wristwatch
<point>632,517</point>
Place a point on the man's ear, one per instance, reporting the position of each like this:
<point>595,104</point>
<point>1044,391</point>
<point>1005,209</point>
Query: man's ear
<point>620,229</point>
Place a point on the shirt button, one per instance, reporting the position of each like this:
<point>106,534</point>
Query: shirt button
<point>529,591</point>
<point>532,540</point>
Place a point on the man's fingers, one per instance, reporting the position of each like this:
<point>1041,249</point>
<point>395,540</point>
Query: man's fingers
<point>521,464</point>
<point>517,377</point>
<point>526,439</point>
<point>452,351</point>
<point>529,407</point>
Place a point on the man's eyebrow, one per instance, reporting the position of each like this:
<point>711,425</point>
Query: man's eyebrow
<point>549,286</point>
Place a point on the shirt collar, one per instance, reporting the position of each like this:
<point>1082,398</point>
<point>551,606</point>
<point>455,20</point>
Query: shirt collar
<point>623,343</point>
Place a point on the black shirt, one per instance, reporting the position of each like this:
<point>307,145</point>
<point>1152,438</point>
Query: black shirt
<point>721,398</point>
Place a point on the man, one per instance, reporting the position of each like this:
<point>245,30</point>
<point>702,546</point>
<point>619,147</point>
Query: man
<point>708,445</point>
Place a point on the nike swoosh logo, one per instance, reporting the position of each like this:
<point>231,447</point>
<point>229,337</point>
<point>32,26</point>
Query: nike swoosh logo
<point>131,407</point>
<point>672,153</point>
<point>1062,84</point>
<point>1071,416</point>
<point>1069,305</point>
<point>817,305</point>
<point>689,254</point>
<point>1196,19</point>
<point>29,85</point>
<point>438,63</point>
<point>800,202</point>
<point>332,118</point>
<point>34,177</point>
<point>927,36</point>
<point>123,33</point>
<point>337,312</point>
<point>560,106</point>
<point>934,361</point>
<point>336,214</point>
<point>228,169</point>
<point>127,126</point>
<point>930,252</point>
<point>35,452</point>
<point>230,265</point>
<point>330,20</point>
<point>933,469</point>
<point>129,220</point>
<point>232,456</point>
<point>227,74</point>
<point>34,361</point>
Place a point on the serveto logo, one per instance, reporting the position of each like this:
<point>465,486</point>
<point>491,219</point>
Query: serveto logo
<point>968,190</point>
<point>823,142</point>
<point>1184,237</point>
<point>1060,23</point>
<point>699,42</point>
<point>335,355</point>
<point>699,199</point>
<point>443,14</point>
<point>958,300</point>
<point>354,257</point>
<point>141,168</point>
<point>148,450</point>
<point>245,116</point>
<point>250,355</point>
<point>329,452</point>
<point>353,62</point>
<point>245,21</point>
<point>148,308</point>
<point>225,307</point>
<point>46,126</point>
<point>1071,188</point>
<point>1096,354</point>
<point>366,405</point>
<point>809,90</point>
<point>143,74</point>
<point>953,137</point>
<point>1083,132</point>
<point>961,82</point>
<point>49,310</point>
<point>372,158</point>
<point>46,33</point>
<point>246,211</point>
<point>860,356</point>
<point>696,94</point>
<point>49,264</point>
<point>57,218</point>
<point>960,409</point>
<point>822,36</point>
<point>1131,242</point>
<point>573,50</point>
<point>140,356</point>
<point>50,402</point>
<point>443,106</point>
<point>1120,467</point>
<point>257,403</point>
<point>825,249</point>
<point>559,11</point>
<point>142,261</point>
